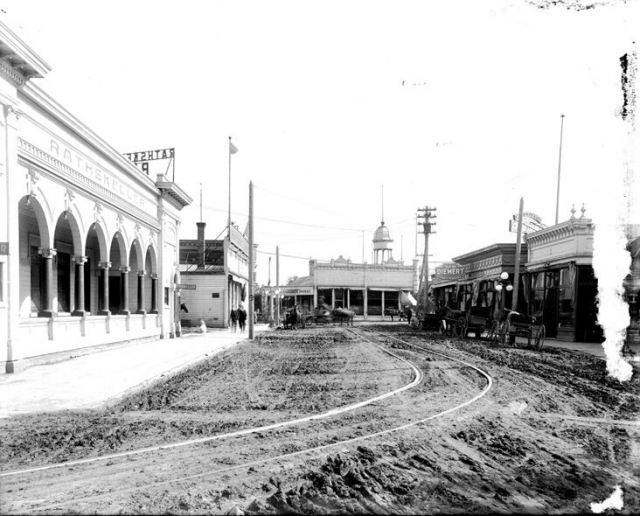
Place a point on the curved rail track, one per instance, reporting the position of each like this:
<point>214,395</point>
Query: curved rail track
<point>417,379</point>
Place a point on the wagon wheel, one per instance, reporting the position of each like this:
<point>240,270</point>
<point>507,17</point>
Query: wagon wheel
<point>461,327</point>
<point>494,332</point>
<point>539,338</point>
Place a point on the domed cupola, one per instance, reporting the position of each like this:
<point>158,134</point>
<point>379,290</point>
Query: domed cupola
<point>382,244</point>
<point>382,238</point>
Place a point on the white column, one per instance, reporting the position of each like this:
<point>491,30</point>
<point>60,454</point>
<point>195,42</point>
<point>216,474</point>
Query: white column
<point>10,194</point>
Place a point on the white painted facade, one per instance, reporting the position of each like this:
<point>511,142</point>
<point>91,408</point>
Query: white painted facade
<point>75,216</point>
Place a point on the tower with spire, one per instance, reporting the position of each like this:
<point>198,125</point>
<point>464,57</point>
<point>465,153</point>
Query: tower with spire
<point>382,240</point>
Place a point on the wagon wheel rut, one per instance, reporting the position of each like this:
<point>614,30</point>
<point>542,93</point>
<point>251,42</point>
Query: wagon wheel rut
<point>312,435</point>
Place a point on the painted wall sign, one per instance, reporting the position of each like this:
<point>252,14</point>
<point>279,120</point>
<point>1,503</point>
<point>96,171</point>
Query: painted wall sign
<point>185,286</point>
<point>4,247</point>
<point>82,164</point>
<point>297,291</point>
<point>449,271</point>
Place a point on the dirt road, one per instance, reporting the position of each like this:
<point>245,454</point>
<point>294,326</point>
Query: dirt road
<point>553,433</point>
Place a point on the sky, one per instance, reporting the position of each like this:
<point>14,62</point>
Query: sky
<point>347,113</point>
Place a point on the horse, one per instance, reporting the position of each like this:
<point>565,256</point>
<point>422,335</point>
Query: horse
<point>453,321</point>
<point>342,314</point>
<point>292,318</point>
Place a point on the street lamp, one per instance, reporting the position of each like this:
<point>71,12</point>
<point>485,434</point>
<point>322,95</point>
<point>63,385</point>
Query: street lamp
<point>503,284</point>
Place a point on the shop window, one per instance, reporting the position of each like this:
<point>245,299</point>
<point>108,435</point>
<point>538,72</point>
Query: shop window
<point>552,279</point>
<point>450,297</point>
<point>390,300</point>
<point>356,301</point>
<point>485,295</point>
<point>566,317</point>
<point>565,279</point>
<point>538,281</point>
<point>325,296</point>
<point>538,302</point>
<point>374,302</point>
<point>465,295</point>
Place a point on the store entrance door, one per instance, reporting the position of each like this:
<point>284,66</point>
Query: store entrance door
<point>551,312</point>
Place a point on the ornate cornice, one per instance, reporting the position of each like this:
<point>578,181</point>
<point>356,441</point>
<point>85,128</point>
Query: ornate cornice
<point>80,180</point>
<point>19,55</point>
<point>334,266</point>
<point>33,93</point>
<point>565,230</point>
<point>489,252</point>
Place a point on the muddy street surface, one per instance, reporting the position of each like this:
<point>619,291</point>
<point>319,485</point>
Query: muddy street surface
<point>372,419</point>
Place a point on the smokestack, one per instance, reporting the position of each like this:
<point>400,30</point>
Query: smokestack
<point>201,243</point>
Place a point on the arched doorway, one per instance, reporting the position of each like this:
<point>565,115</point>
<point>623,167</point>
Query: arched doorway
<point>118,277</point>
<point>36,260</point>
<point>151,286</point>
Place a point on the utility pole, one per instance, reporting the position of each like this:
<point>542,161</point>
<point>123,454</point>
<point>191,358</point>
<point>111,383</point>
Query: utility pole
<point>277,286</point>
<point>427,230</point>
<point>251,265</point>
<point>516,274</point>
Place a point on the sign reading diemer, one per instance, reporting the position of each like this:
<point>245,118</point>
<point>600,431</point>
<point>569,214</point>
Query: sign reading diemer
<point>449,271</point>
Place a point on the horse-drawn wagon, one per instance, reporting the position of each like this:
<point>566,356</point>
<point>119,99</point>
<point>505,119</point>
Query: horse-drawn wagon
<point>321,315</point>
<point>514,324</point>
<point>459,323</point>
<point>294,318</point>
<point>453,322</point>
<point>477,320</point>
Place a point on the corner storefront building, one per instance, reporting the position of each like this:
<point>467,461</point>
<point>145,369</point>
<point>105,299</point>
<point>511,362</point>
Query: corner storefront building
<point>88,242</point>
<point>560,285</point>
<point>557,283</point>
<point>367,289</point>
<point>214,277</point>
<point>472,278</point>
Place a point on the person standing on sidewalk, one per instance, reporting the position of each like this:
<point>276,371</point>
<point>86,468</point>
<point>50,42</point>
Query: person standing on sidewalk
<point>233,317</point>
<point>242,318</point>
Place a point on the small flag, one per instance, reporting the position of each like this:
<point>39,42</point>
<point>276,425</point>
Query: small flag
<point>232,148</point>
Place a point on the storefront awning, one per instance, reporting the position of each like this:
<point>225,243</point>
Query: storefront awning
<point>407,299</point>
<point>449,283</point>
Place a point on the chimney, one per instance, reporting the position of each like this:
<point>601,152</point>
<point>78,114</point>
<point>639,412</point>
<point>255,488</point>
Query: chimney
<point>201,243</point>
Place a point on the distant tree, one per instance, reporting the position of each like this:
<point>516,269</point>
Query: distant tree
<point>291,279</point>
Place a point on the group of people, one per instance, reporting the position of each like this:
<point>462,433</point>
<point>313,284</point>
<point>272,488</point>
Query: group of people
<point>238,317</point>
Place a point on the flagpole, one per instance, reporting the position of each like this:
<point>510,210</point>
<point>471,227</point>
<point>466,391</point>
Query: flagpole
<point>559,165</point>
<point>229,219</point>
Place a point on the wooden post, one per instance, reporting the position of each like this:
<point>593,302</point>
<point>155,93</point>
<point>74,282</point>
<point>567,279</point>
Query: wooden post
<point>516,274</point>
<point>251,307</point>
